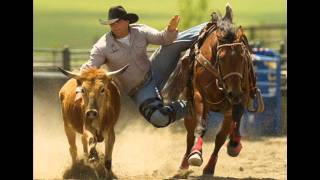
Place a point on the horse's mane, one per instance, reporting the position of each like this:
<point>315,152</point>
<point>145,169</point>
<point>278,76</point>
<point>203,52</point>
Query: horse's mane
<point>225,26</point>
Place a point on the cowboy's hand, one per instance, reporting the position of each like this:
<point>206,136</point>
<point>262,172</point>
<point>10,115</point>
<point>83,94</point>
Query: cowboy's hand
<point>173,24</point>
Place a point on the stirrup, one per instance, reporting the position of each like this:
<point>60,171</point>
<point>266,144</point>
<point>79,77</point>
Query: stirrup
<point>260,108</point>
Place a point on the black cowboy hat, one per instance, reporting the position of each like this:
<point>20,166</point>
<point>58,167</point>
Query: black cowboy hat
<point>118,12</point>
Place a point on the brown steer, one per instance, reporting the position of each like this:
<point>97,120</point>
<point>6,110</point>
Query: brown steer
<point>94,116</point>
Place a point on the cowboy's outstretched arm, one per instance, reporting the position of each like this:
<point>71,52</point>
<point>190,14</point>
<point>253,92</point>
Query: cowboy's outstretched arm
<point>164,37</point>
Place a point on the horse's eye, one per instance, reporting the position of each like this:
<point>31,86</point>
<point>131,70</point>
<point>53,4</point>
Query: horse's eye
<point>83,90</point>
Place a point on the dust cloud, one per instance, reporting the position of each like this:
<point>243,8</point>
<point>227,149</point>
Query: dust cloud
<point>144,152</point>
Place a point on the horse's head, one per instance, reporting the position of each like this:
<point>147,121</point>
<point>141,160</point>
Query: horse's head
<point>229,55</point>
<point>231,62</point>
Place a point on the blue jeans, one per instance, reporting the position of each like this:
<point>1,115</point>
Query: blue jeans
<point>163,62</point>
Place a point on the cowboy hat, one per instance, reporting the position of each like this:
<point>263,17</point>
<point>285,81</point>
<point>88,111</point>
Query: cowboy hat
<point>118,12</point>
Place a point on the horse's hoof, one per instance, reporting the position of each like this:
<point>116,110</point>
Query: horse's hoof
<point>207,172</point>
<point>183,174</point>
<point>207,177</point>
<point>234,151</point>
<point>195,158</point>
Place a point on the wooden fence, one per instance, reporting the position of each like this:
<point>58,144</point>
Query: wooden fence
<point>46,59</point>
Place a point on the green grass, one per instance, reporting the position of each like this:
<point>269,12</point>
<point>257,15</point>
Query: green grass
<point>75,22</point>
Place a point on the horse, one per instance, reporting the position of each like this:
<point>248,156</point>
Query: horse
<point>216,75</point>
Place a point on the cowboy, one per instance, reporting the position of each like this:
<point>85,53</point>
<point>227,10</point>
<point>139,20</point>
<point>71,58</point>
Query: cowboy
<point>144,78</point>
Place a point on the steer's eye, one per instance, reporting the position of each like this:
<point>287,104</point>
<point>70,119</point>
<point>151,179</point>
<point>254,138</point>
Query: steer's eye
<point>102,90</point>
<point>83,90</point>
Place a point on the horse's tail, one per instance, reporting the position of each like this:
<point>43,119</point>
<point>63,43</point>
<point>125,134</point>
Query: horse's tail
<point>178,80</point>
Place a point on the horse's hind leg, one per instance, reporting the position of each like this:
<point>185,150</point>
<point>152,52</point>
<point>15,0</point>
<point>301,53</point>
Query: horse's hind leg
<point>190,125</point>
<point>234,146</point>
<point>71,135</point>
<point>220,140</point>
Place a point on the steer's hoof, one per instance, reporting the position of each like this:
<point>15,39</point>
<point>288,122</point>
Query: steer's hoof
<point>93,156</point>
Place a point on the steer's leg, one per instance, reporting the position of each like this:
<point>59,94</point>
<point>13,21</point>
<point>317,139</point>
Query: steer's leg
<point>109,138</point>
<point>92,141</point>
<point>84,144</point>
<point>71,135</point>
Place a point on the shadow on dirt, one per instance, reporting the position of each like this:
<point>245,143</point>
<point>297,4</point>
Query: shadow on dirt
<point>84,170</point>
<point>219,178</point>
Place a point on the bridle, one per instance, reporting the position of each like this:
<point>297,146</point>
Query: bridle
<point>217,63</point>
<point>216,69</point>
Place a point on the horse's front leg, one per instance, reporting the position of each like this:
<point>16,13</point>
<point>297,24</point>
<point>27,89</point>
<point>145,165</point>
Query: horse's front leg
<point>220,140</point>
<point>234,146</point>
<point>200,111</point>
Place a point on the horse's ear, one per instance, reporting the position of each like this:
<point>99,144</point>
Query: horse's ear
<point>241,37</point>
<point>229,13</point>
<point>240,32</point>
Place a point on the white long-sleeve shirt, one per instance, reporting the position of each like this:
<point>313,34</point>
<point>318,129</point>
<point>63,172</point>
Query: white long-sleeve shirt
<point>115,54</point>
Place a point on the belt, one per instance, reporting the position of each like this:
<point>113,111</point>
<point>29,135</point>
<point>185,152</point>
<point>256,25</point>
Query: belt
<point>135,89</point>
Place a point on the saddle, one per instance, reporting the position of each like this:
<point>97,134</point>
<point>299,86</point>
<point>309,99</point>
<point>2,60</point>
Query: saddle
<point>182,75</point>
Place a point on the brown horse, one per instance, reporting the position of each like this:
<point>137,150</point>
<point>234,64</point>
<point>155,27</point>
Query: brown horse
<point>218,75</point>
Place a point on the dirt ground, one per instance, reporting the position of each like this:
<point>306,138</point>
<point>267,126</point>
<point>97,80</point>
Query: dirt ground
<point>149,153</point>
<point>143,152</point>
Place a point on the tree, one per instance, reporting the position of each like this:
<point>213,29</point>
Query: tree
<point>193,12</point>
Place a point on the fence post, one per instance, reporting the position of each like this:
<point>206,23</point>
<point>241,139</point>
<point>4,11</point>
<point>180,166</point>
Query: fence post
<point>252,33</point>
<point>66,58</point>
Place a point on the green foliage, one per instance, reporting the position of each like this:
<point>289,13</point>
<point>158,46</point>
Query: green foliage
<point>60,22</point>
<point>192,12</point>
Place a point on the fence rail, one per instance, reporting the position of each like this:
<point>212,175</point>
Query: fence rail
<point>46,59</point>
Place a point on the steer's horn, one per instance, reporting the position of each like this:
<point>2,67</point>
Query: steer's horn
<point>118,71</point>
<point>68,73</point>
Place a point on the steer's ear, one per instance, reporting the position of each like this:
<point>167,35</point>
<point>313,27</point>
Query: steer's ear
<point>119,71</point>
<point>69,74</point>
